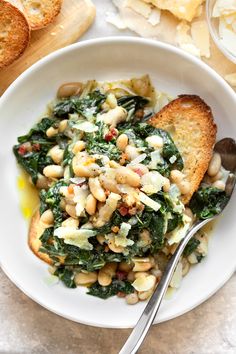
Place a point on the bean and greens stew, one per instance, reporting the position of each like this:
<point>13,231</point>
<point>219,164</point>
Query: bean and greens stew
<point>110,204</point>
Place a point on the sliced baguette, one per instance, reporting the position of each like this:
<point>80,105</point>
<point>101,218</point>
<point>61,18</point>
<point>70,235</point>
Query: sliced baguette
<point>35,231</point>
<point>14,33</point>
<point>41,12</point>
<point>189,121</point>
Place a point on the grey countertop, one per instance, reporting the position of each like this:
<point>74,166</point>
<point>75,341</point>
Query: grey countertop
<point>28,328</point>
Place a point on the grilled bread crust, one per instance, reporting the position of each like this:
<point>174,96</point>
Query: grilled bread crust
<point>14,33</point>
<point>189,121</point>
<point>41,13</point>
<point>35,231</point>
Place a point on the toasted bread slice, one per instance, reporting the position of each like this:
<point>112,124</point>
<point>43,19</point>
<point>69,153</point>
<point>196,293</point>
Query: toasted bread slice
<point>14,33</point>
<point>35,231</point>
<point>189,121</point>
<point>41,12</point>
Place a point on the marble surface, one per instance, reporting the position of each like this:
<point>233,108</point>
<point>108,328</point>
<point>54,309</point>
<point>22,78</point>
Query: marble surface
<point>28,328</point>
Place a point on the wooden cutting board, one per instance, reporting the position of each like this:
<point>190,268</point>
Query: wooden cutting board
<point>74,19</point>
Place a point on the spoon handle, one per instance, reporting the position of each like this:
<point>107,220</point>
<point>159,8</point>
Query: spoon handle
<point>140,330</point>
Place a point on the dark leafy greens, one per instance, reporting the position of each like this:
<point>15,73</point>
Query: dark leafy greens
<point>104,292</point>
<point>51,200</point>
<point>92,102</point>
<point>96,144</point>
<point>207,202</point>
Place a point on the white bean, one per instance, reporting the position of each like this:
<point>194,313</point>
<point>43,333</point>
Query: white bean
<point>185,266</point>
<point>86,278</point>
<point>219,184</point>
<point>91,204</point>
<point>114,248</point>
<point>125,267</point>
<point>130,276</point>
<point>114,116</point>
<point>166,185</point>
<point>82,169</point>
<point>131,152</point>
<point>56,154</point>
<point>189,213</point>
<point>132,298</point>
<point>47,218</point>
<point>53,171</point>
<point>106,274</point>
<point>70,209</point>
<point>140,274</point>
<point>126,176</point>
<point>106,210</point>
<point>111,100</point>
<point>96,189</point>
<point>42,182</point>
<point>145,237</point>
<point>139,167</point>
<point>176,176</point>
<point>71,222</point>
<point>217,177</point>
<point>63,125</point>
<point>144,295</point>
<point>122,142</point>
<point>142,266</point>
<point>184,187</point>
<point>69,89</point>
<point>51,132</point>
<point>101,239</point>
<point>79,146</point>
<point>214,165</point>
<point>109,183</point>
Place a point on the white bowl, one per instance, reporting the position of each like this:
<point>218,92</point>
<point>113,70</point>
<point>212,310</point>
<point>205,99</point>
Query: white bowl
<point>172,71</point>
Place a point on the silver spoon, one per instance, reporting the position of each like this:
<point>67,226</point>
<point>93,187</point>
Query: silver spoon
<point>227,149</point>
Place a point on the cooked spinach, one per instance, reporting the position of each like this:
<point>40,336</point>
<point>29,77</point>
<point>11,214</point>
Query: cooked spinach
<point>31,152</point>
<point>104,292</point>
<point>51,200</point>
<point>207,202</point>
<point>191,246</point>
<point>169,149</point>
<point>67,276</point>
<point>132,104</point>
<point>47,235</point>
<point>96,144</point>
<point>38,132</point>
<point>92,102</point>
<point>67,156</point>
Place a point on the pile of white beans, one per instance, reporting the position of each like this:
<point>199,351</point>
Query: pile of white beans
<point>105,196</point>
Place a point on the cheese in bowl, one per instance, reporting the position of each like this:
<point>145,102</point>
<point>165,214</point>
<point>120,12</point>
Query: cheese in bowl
<point>120,184</point>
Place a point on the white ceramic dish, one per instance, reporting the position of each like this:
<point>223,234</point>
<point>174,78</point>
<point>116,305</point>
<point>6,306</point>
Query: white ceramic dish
<point>172,71</point>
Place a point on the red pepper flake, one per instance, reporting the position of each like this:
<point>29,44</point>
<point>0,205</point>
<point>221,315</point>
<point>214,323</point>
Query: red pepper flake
<point>123,211</point>
<point>120,294</point>
<point>139,172</point>
<point>36,147</point>
<point>108,137</point>
<point>121,275</point>
<point>112,133</point>
<point>22,150</point>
